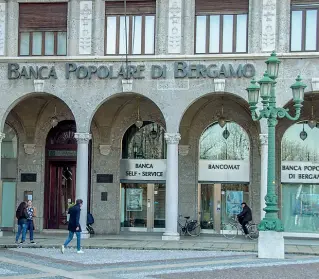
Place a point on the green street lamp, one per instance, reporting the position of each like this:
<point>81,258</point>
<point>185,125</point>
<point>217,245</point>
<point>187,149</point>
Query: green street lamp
<point>271,221</point>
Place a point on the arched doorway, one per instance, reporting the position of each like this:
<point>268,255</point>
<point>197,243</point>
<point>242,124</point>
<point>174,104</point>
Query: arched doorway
<point>60,184</point>
<point>224,153</point>
<point>143,199</point>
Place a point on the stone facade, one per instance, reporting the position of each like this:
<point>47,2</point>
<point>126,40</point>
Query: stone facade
<point>99,106</point>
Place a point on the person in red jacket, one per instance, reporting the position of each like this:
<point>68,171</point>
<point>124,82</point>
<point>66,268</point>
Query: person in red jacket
<point>74,226</point>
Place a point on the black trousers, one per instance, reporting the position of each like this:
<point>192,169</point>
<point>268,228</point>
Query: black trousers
<point>244,223</point>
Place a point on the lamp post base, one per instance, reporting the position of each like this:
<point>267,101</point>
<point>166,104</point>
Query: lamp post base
<point>271,245</point>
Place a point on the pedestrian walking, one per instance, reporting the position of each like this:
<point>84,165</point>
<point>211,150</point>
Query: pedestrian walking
<point>22,216</point>
<point>74,226</point>
<point>30,222</point>
<point>244,217</point>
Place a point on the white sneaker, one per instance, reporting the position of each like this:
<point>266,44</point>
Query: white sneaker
<point>80,252</point>
<point>62,249</point>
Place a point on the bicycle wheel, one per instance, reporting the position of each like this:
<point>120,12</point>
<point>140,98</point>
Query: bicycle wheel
<point>193,228</point>
<point>229,231</point>
<point>253,231</point>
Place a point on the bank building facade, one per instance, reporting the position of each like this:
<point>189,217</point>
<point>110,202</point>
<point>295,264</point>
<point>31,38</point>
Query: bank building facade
<point>140,108</point>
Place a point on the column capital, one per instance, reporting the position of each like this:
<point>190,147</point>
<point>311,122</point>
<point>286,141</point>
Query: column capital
<point>263,139</point>
<point>2,136</point>
<point>83,137</point>
<point>172,138</point>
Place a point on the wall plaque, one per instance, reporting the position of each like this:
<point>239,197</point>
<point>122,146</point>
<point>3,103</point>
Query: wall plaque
<point>299,172</point>
<point>104,178</point>
<point>103,196</point>
<point>28,177</point>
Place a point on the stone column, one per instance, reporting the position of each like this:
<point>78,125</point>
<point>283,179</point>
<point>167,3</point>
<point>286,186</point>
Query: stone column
<point>263,172</point>
<point>82,169</point>
<point>12,28</point>
<point>2,135</point>
<point>171,198</point>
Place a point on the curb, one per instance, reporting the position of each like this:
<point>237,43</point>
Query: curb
<point>54,246</point>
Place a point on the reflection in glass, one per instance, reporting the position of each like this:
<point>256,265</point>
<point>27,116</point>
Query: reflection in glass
<point>142,144</point>
<point>49,43</point>
<point>123,43</point>
<point>293,148</point>
<point>213,146</point>
<point>36,43</point>
<point>300,207</point>
<point>137,35</point>
<point>149,34</point>
<point>296,30</point>
<point>228,33</point>
<point>311,30</point>
<point>214,34</point>
<point>200,34</point>
<point>25,43</point>
<point>61,49</point>
<point>111,35</point>
<point>9,145</point>
<point>241,33</point>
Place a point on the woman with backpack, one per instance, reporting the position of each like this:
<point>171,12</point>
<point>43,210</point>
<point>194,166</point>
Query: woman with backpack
<point>22,216</point>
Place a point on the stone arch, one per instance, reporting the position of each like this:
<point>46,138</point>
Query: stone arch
<point>26,96</point>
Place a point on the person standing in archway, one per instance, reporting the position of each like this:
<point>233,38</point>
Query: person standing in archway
<point>74,226</point>
<point>32,212</point>
<point>22,216</point>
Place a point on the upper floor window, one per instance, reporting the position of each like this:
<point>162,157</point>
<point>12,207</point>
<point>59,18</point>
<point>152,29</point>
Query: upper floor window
<point>304,26</point>
<point>43,29</point>
<point>139,24</point>
<point>221,26</point>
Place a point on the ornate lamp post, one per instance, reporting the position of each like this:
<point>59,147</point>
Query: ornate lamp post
<point>267,87</point>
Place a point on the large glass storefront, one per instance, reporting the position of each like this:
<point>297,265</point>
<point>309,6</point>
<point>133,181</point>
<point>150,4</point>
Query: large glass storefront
<point>300,178</point>
<point>223,175</point>
<point>143,207</point>
<point>143,168</point>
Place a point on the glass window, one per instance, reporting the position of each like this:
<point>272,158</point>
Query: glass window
<point>214,145</point>
<point>214,34</point>
<point>228,33</point>
<point>49,43</point>
<point>241,33</point>
<point>36,43</point>
<point>149,34</point>
<point>296,30</point>
<point>9,143</point>
<point>111,35</point>
<point>25,43</point>
<point>311,30</point>
<point>124,43</point>
<point>201,34</point>
<point>61,43</point>
<point>137,35</point>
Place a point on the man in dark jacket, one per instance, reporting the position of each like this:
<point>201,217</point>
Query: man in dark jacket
<point>74,226</point>
<point>244,217</point>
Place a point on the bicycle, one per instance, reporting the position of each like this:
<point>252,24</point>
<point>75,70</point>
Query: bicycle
<point>191,227</point>
<point>228,229</point>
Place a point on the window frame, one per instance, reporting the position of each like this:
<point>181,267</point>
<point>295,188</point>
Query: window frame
<point>43,43</point>
<point>303,9</point>
<point>221,33</point>
<point>130,32</point>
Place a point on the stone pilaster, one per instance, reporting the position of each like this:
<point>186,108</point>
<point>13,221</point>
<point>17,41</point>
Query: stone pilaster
<point>161,39</point>
<point>98,27</point>
<point>188,27</point>
<point>269,25</point>
<point>73,27</point>
<point>283,21</point>
<point>171,199</point>
<point>263,172</point>
<point>12,46</point>
<point>254,26</point>
<point>82,168</point>
<point>174,44</point>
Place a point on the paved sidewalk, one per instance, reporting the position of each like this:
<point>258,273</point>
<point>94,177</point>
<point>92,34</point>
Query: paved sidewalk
<point>153,241</point>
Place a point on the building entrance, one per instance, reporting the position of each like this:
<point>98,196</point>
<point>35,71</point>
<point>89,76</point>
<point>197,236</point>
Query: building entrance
<point>219,203</point>
<point>61,193</point>
<point>143,207</point>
